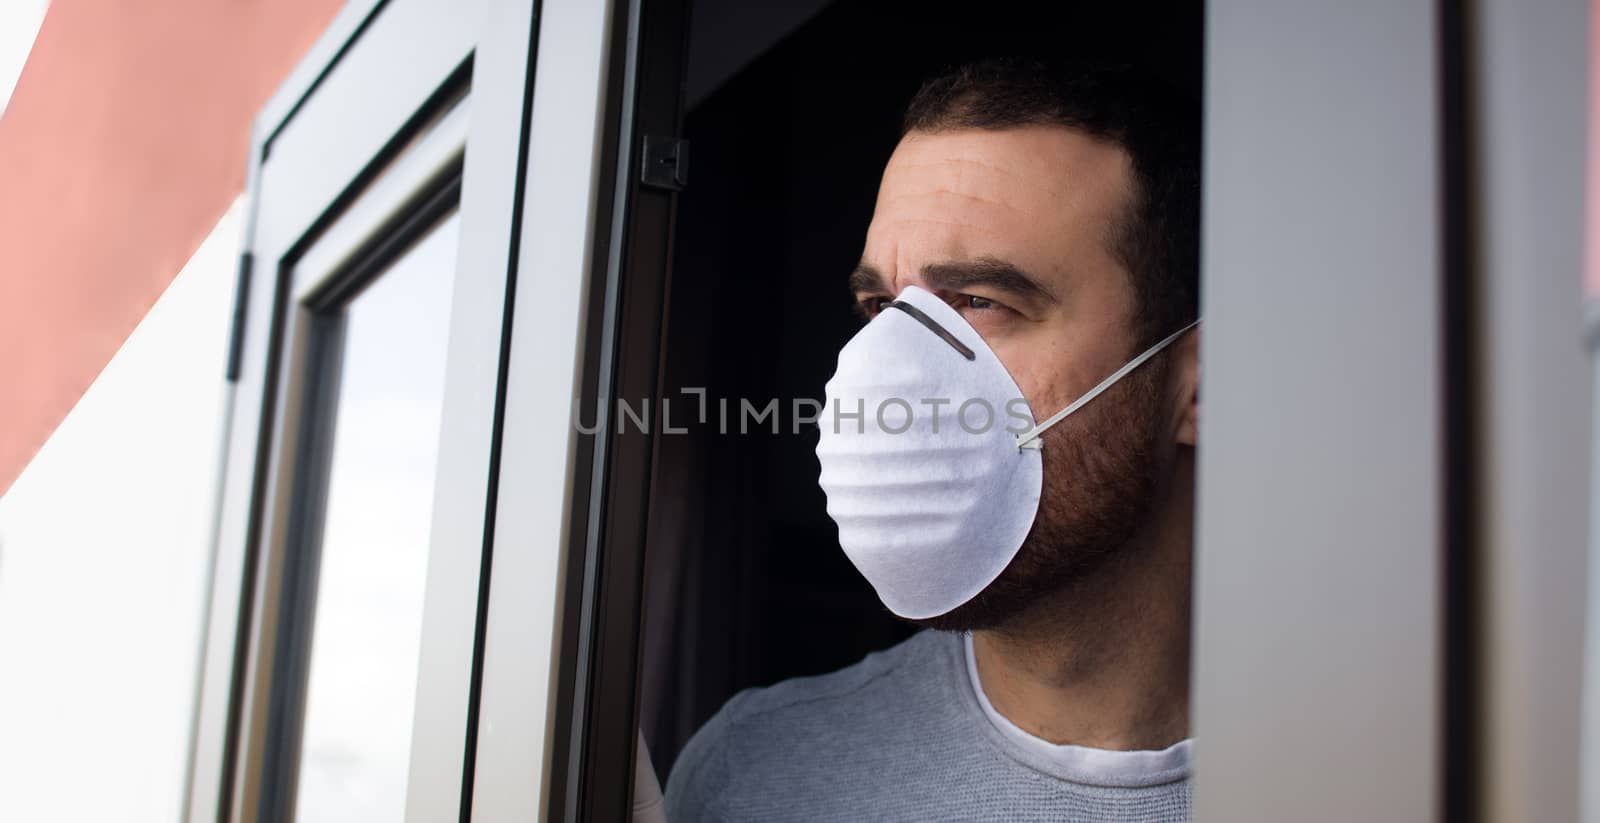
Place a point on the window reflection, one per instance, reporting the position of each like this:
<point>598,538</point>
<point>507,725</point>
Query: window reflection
<point>355,747</point>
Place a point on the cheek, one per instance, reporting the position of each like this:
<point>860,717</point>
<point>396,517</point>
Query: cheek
<point>1053,370</point>
<point>1042,374</point>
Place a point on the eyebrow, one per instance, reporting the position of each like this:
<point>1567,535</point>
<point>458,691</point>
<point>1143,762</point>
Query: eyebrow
<point>960,274</point>
<point>986,271</point>
<point>866,279</point>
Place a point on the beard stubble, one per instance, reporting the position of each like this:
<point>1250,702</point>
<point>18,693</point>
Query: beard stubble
<point>1102,471</point>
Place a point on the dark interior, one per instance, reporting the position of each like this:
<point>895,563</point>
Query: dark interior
<point>794,109</point>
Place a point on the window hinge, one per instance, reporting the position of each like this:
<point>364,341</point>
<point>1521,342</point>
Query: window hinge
<point>241,302</point>
<point>666,162</point>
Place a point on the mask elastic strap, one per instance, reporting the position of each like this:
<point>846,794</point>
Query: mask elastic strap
<point>1030,438</point>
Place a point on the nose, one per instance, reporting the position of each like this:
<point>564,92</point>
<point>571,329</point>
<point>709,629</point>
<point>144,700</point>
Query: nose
<point>934,326</point>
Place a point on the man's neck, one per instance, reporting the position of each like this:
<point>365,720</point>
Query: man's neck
<point>1105,663</point>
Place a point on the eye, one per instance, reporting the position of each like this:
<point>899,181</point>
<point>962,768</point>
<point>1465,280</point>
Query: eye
<point>871,306</point>
<point>963,302</point>
<point>987,314</point>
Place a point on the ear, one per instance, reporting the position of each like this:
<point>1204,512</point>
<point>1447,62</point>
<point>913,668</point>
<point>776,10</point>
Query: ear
<point>1186,383</point>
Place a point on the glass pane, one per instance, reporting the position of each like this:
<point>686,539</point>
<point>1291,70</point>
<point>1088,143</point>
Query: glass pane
<point>365,635</point>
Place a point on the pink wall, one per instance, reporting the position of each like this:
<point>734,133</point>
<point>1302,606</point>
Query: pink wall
<point>123,143</point>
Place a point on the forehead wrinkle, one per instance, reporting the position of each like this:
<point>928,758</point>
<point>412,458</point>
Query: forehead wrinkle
<point>1037,178</point>
<point>945,190</point>
<point>1039,164</point>
<point>939,199</point>
<point>1028,194</point>
<point>942,177</point>
<point>958,160</point>
<point>930,223</point>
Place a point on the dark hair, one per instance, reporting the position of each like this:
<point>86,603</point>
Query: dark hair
<point>1158,240</point>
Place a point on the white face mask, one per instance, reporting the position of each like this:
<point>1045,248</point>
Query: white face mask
<point>936,482</point>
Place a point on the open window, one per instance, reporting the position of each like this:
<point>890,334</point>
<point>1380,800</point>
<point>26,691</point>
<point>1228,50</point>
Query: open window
<point>441,591</point>
<point>344,661</point>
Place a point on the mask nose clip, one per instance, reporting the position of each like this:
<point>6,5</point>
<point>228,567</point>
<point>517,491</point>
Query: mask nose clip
<point>933,325</point>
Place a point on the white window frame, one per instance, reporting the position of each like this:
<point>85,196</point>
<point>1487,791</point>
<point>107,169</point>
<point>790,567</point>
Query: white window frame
<point>365,79</point>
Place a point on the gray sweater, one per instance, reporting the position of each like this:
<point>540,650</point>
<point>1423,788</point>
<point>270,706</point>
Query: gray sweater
<point>899,736</point>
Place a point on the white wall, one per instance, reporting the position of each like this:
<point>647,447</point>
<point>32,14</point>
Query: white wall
<point>104,550</point>
<point>19,25</point>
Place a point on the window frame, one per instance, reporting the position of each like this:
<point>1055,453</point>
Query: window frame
<point>378,73</point>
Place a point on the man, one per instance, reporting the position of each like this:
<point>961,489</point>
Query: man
<point>1039,231</point>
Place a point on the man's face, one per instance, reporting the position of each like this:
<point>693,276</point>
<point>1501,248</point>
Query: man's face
<point>1013,228</point>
